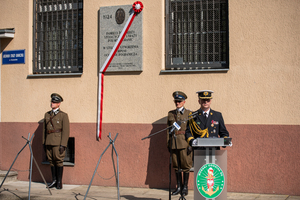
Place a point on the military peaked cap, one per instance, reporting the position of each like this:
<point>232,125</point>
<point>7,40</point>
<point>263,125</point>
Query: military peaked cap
<point>179,96</point>
<point>205,94</point>
<point>56,98</point>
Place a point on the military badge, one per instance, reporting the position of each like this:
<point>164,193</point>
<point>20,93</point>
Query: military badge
<point>214,122</point>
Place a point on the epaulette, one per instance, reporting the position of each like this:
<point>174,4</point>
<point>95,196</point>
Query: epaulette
<point>193,114</point>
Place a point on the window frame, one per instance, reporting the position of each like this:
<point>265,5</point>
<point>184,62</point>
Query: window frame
<point>196,66</point>
<point>66,57</point>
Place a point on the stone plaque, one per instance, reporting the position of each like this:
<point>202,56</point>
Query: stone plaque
<point>129,57</point>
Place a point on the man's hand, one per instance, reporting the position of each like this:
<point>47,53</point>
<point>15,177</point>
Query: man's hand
<point>62,149</point>
<point>194,142</point>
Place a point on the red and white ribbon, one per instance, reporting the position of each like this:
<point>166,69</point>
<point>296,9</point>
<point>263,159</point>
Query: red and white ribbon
<point>137,8</point>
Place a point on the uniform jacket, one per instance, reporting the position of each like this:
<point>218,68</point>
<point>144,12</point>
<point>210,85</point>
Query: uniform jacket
<point>174,116</point>
<point>214,123</point>
<point>60,122</point>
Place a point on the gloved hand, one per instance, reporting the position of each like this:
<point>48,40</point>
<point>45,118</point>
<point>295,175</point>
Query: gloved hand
<point>194,142</point>
<point>62,149</point>
<point>189,150</point>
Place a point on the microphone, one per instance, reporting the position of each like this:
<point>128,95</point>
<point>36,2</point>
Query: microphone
<point>175,126</point>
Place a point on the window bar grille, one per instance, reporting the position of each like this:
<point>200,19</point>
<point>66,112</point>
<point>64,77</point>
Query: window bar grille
<point>76,29</point>
<point>196,43</point>
<point>205,53</point>
<point>213,32</point>
<point>219,35</point>
<point>196,34</point>
<point>46,32</point>
<point>52,36</point>
<point>182,34</point>
<point>62,35</point>
<point>56,36</point>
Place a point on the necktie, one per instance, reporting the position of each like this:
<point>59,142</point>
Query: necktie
<point>205,116</point>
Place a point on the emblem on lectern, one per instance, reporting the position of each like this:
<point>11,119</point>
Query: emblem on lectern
<point>210,181</point>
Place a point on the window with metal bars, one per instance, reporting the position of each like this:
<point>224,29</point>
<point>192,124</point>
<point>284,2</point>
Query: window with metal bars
<point>58,36</point>
<point>197,34</point>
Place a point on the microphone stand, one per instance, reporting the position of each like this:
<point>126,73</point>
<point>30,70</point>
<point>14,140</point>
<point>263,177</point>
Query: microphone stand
<point>170,160</point>
<point>171,136</point>
<point>193,115</point>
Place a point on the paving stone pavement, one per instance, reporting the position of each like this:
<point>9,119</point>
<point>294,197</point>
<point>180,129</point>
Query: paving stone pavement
<point>19,190</point>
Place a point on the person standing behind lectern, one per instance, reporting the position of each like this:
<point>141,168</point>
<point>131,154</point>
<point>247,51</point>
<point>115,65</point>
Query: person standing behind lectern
<point>56,133</point>
<point>207,122</point>
<point>183,152</point>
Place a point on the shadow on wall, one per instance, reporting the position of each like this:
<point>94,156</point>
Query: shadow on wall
<point>39,155</point>
<point>4,43</point>
<point>17,157</point>
<point>158,158</point>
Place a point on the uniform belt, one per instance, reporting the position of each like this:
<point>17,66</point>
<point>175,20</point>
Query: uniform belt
<point>180,132</point>
<point>54,131</point>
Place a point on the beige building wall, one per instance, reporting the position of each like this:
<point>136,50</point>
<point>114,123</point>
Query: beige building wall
<point>261,88</point>
<point>264,60</point>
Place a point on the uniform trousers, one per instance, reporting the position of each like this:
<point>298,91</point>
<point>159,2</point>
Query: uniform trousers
<point>185,161</point>
<point>54,157</point>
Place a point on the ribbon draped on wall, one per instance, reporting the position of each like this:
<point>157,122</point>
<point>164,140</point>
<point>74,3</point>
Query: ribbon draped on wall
<point>137,8</point>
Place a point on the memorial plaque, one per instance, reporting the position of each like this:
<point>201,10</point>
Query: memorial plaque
<point>129,57</point>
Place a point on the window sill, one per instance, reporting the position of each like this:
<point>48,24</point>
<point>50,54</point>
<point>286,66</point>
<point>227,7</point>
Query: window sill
<point>54,75</point>
<point>192,71</point>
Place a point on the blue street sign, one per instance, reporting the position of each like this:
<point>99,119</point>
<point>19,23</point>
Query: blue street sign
<point>13,57</point>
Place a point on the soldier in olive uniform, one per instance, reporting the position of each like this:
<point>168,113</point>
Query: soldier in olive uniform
<point>182,158</point>
<point>207,122</point>
<point>55,139</point>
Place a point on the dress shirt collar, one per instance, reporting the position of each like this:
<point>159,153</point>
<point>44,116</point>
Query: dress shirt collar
<point>181,110</point>
<point>55,111</point>
<point>206,112</point>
